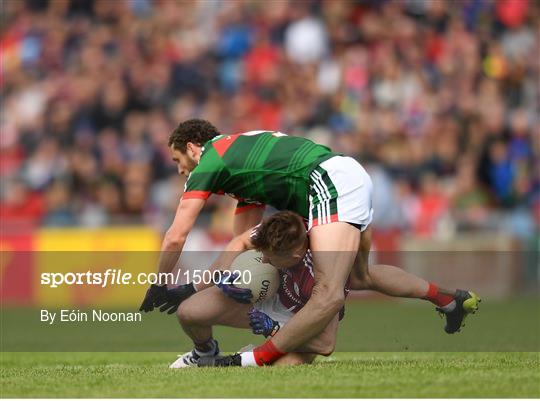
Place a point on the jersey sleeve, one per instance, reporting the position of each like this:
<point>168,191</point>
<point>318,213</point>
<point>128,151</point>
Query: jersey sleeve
<point>206,178</point>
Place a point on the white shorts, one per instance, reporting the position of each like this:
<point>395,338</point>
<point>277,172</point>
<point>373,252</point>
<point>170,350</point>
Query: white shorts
<point>340,190</point>
<point>275,309</point>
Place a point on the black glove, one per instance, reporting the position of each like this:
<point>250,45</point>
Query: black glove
<point>155,296</point>
<point>175,296</point>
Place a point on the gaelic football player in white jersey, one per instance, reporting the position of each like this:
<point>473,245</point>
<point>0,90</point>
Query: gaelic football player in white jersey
<point>283,236</point>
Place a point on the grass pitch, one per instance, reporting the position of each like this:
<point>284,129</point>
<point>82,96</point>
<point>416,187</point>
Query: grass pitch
<point>344,375</point>
<point>401,333</point>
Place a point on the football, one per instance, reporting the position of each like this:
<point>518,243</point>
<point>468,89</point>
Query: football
<point>261,278</point>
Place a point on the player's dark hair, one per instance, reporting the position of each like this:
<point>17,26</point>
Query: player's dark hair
<point>280,233</point>
<point>195,130</point>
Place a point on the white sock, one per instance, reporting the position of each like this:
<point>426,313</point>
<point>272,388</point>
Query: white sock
<point>450,307</point>
<point>248,359</point>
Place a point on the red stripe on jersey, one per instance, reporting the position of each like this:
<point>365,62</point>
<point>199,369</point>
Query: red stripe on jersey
<point>196,195</point>
<point>222,144</point>
<point>243,209</point>
<point>333,219</point>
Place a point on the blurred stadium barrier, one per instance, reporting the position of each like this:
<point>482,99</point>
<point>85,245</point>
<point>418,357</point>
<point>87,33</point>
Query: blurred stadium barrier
<point>491,264</point>
<point>25,256</point>
<point>494,265</point>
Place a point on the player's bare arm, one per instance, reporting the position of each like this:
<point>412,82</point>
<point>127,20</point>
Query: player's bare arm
<point>247,218</point>
<point>175,237</point>
<point>235,247</point>
<point>186,151</point>
<point>173,242</point>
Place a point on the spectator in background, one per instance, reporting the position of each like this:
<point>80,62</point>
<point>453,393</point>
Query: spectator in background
<point>432,204</point>
<point>501,172</point>
<point>59,211</point>
<point>20,204</point>
<point>470,202</point>
<point>441,98</point>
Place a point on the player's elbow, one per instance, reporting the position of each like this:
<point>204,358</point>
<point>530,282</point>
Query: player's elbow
<point>238,244</point>
<point>173,240</point>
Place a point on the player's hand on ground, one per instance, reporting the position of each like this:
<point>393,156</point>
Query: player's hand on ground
<point>242,295</point>
<point>175,296</point>
<point>263,324</point>
<point>156,295</point>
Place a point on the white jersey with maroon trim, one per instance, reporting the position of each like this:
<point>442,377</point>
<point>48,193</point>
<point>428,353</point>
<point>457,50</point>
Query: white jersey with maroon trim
<point>296,284</point>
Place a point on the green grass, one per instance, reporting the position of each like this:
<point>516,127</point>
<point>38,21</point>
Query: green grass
<point>368,326</point>
<point>344,375</point>
<point>456,366</point>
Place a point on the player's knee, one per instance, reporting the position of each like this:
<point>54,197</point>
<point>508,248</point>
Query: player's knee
<point>185,314</point>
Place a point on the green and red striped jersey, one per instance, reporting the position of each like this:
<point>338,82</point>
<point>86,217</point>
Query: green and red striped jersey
<point>258,168</point>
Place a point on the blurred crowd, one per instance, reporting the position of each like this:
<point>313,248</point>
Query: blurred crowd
<point>439,99</point>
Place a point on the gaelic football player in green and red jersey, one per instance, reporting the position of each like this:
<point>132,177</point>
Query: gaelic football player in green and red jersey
<point>332,192</point>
